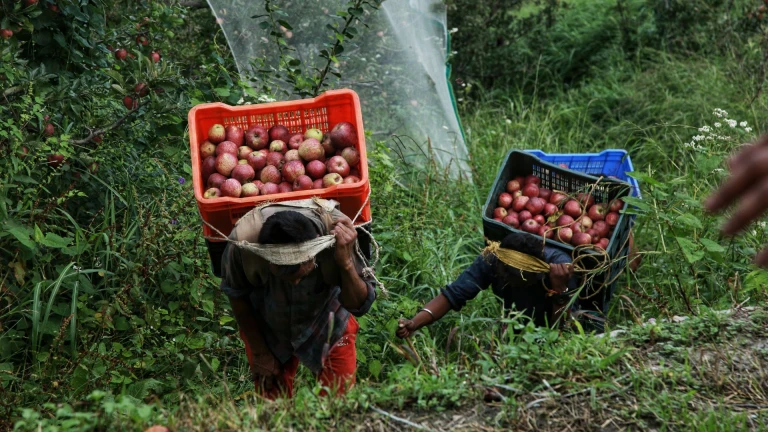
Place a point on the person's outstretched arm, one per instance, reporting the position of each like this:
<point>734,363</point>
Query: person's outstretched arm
<point>474,279</point>
<point>747,184</point>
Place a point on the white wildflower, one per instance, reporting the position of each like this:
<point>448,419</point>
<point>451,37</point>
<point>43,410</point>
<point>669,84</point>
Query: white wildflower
<point>508,121</point>
<point>754,233</point>
<point>731,123</point>
<point>698,137</point>
<point>761,224</point>
<point>717,124</point>
<point>743,124</point>
<point>240,102</point>
<point>748,129</point>
<point>720,113</point>
<point>718,170</point>
<point>453,30</point>
<point>705,129</point>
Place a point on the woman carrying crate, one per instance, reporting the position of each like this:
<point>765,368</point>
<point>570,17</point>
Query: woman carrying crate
<point>296,285</point>
<point>543,297</point>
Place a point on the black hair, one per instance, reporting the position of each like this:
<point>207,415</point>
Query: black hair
<point>527,244</point>
<point>287,227</point>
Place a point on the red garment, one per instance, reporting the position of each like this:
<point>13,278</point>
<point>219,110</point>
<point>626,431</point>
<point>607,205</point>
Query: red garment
<point>338,373</point>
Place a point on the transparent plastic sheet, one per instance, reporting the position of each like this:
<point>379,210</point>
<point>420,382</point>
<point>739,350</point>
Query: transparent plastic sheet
<point>397,65</point>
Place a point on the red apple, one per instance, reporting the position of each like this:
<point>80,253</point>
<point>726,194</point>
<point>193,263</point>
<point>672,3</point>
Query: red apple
<point>343,135</point>
<point>616,205</point>
<point>249,190</point>
<point>279,133</point>
<point>332,179</point>
<point>351,179</point>
<point>292,170</point>
<point>292,155</point>
<point>535,205</point>
<point>518,204</point>
<point>511,220</point>
<point>586,200</point>
<point>505,199</point>
<point>531,190</point>
<point>539,219</point>
<point>564,221</point>
<point>6,33</point>
<point>572,208</point>
<point>517,193</point>
<point>231,188</point>
<point>602,228</point>
<point>285,187</point>
<point>327,145</point>
<point>243,173</point>
<point>121,54</point>
<point>531,226</point>
<point>275,159</point>
<point>278,146</point>
<point>227,147</point>
<point>597,212</point>
<point>270,174</point>
<point>546,232</point>
<point>532,179</point>
<point>545,194</point>
<point>243,152</point>
<point>268,188</point>
<point>207,167</point>
<point>549,209</point>
<point>235,134</point>
<point>316,169</point>
<point>55,160</point>
<point>311,149</point>
<point>524,215</point>
<point>318,184</point>
<point>499,212</point>
<point>580,239</point>
<point>603,243</point>
<point>212,193</point>
<point>498,219</point>
<point>258,183</point>
<point>612,219</point>
<point>207,149</point>
<point>592,233</point>
<point>217,134</point>
<point>295,141</point>
<point>257,159</point>
<point>215,180</point>
<point>225,163</point>
<point>256,137</point>
<point>557,198</point>
<point>155,56</point>
<point>302,183</point>
<point>130,103</point>
<point>351,155</point>
<point>354,172</point>
<point>339,165</point>
<point>565,234</point>
<point>513,186</point>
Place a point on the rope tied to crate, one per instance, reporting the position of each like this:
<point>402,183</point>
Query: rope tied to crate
<point>297,253</point>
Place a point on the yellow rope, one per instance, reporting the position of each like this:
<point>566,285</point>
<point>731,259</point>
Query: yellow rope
<point>516,259</point>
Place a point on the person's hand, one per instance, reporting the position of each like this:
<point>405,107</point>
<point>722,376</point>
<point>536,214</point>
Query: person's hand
<point>748,184</point>
<point>559,274</point>
<point>345,240</point>
<point>266,370</point>
<point>405,329</point>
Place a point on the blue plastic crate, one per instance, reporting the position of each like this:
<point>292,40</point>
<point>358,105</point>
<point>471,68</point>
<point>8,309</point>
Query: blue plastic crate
<point>613,162</point>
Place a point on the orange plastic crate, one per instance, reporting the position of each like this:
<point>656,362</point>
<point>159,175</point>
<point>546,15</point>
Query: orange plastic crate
<point>322,112</point>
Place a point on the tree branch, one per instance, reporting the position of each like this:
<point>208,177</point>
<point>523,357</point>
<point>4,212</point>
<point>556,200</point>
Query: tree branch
<point>101,131</point>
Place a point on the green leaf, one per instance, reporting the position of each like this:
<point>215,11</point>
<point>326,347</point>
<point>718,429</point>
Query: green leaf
<point>285,24</point>
<point>637,202</point>
<point>223,92</point>
<point>644,178</point>
<point>22,234</point>
<point>690,220</point>
<point>689,250</point>
<point>55,241</point>
<point>712,246</point>
<point>374,367</point>
<point>264,25</point>
<point>196,342</point>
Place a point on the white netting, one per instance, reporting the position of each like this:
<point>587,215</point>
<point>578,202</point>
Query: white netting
<point>397,66</point>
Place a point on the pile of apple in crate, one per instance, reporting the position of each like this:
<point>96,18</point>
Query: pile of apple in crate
<point>260,161</point>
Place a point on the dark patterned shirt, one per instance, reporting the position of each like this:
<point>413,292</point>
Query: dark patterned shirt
<point>532,301</point>
<point>294,319</point>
